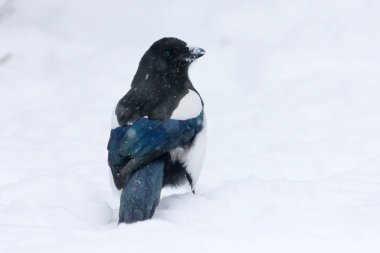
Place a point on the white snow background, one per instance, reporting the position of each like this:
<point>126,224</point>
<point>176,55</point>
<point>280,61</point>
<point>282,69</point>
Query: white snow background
<point>292,96</point>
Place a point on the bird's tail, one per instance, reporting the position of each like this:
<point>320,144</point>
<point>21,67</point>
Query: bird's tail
<point>141,192</point>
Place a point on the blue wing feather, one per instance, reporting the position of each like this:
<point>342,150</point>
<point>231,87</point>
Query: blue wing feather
<point>115,161</point>
<point>134,145</point>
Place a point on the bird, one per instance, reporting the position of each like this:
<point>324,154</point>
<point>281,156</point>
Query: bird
<point>159,133</point>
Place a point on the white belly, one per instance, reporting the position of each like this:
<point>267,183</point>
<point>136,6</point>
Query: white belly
<point>194,156</point>
<point>191,106</point>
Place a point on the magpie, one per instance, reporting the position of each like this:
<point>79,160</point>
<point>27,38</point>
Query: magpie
<point>158,135</point>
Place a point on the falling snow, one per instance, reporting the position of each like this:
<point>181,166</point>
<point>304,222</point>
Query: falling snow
<point>291,92</point>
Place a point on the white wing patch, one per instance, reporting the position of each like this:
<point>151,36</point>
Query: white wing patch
<point>190,106</point>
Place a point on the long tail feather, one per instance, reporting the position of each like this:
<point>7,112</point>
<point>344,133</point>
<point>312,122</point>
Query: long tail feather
<point>141,193</point>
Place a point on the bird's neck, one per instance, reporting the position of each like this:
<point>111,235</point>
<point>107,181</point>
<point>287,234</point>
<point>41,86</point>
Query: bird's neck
<point>175,80</point>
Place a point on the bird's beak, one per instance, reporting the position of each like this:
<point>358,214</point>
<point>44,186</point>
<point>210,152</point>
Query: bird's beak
<point>194,53</point>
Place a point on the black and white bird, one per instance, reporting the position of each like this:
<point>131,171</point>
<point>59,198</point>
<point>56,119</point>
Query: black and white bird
<point>158,137</point>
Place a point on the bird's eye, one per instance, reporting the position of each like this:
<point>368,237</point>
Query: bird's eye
<point>166,54</point>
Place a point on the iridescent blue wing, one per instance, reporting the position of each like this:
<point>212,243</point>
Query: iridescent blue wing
<point>131,146</point>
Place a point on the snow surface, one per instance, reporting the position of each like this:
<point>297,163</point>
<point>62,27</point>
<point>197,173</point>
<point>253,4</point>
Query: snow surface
<point>291,91</point>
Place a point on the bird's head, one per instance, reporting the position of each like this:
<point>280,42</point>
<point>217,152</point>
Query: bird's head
<point>169,56</point>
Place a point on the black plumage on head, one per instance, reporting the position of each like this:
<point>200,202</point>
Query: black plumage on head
<point>160,82</point>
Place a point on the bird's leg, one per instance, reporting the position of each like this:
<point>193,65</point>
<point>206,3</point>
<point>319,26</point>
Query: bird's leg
<point>190,180</point>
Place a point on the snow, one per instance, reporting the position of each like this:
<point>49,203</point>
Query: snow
<point>291,92</point>
<point>114,122</point>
